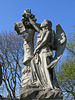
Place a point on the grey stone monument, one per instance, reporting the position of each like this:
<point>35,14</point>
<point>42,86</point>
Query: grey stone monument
<point>38,81</point>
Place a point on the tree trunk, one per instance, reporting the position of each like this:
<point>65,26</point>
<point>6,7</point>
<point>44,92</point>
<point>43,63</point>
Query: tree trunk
<point>0,75</point>
<point>14,98</point>
<point>8,90</point>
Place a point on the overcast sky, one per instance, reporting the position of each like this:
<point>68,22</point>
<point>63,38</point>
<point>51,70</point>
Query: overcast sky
<point>58,11</point>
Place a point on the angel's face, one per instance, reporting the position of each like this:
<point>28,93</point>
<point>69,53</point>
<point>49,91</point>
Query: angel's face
<point>44,24</point>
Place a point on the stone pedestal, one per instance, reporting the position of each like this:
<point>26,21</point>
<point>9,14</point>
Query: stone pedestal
<point>30,93</point>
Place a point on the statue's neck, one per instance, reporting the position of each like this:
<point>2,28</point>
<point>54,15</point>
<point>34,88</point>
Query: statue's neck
<point>46,29</point>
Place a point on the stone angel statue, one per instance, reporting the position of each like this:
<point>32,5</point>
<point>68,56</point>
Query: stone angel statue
<point>38,65</point>
<point>47,41</point>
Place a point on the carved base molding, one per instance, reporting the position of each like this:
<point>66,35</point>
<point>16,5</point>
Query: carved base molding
<point>40,94</point>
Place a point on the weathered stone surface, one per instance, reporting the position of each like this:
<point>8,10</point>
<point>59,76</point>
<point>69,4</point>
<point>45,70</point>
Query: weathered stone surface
<point>38,81</point>
<point>40,94</point>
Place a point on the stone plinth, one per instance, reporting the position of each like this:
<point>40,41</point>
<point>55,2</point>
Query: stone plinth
<point>40,94</point>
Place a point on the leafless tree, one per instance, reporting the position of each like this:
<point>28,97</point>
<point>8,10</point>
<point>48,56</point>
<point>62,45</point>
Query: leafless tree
<point>11,52</point>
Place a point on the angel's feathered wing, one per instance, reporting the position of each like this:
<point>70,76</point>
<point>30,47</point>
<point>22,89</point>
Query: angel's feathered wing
<point>60,43</point>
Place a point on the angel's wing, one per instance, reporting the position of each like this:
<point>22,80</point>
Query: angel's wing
<point>60,39</point>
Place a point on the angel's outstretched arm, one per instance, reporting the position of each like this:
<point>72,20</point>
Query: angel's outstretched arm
<point>34,24</point>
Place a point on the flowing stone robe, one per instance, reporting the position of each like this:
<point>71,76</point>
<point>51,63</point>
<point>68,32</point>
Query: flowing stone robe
<point>28,45</point>
<point>28,54</point>
<point>43,58</point>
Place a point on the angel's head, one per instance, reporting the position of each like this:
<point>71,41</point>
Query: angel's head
<point>46,24</point>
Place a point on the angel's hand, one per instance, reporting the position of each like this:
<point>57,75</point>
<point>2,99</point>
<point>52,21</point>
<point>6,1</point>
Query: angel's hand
<point>27,15</point>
